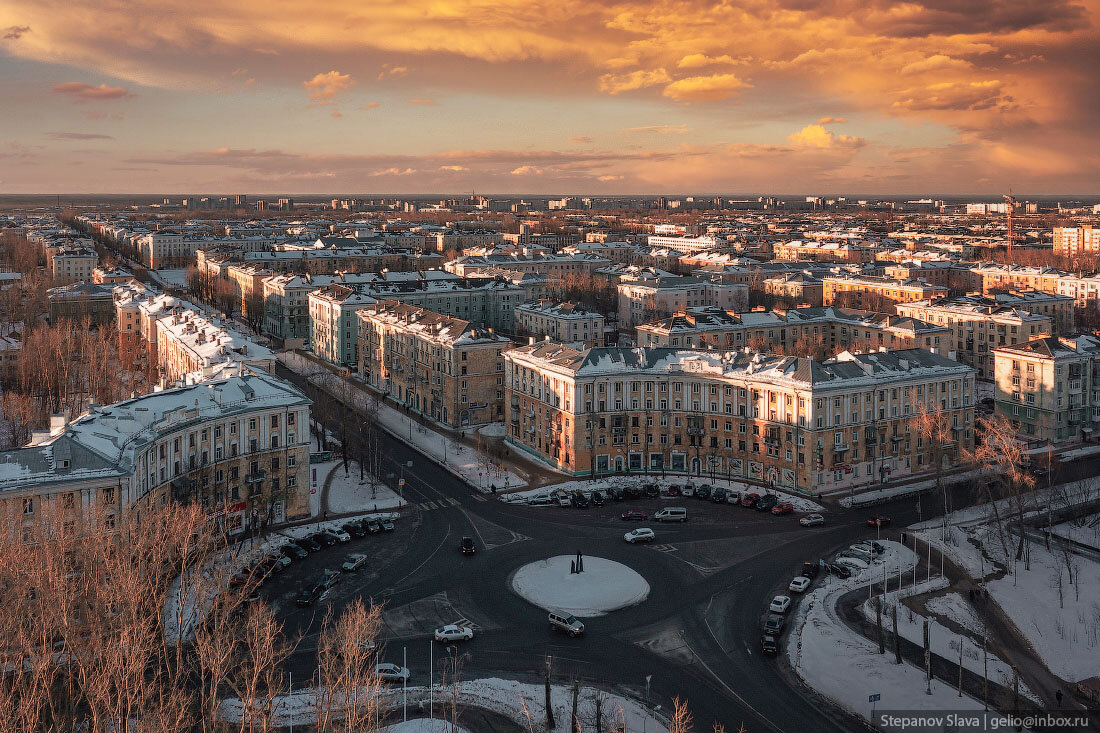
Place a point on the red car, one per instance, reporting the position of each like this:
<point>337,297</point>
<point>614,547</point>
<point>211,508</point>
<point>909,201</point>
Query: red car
<point>635,514</point>
<point>750,499</point>
<point>783,507</point>
<point>878,520</point>
<point>673,490</point>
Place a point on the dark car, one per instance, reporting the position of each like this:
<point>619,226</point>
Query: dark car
<point>774,624</point>
<point>373,526</point>
<point>615,493</point>
<point>768,645</point>
<point>637,514</point>
<point>293,551</point>
<point>718,495</point>
<point>878,520</point>
<point>241,577</point>
<point>673,490</point>
<point>703,492</point>
<point>652,491</point>
<point>839,571</point>
<point>354,529</point>
<point>597,498</point>
<point>809,569</point>
<point>387,525</point>
<point>878,548</point>
<point>308,543</point>
<point>309,596</point>
<point>766,502</point>
<point>632,492</point>
<point>580,501</point>
<point>326,539</point>
<point>749,500</point>
<point>466,546</point>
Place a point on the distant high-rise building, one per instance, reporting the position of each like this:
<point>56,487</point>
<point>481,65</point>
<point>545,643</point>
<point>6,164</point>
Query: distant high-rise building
<point>286,204</point>
<point>240,201</point>
<point>1076,241</point>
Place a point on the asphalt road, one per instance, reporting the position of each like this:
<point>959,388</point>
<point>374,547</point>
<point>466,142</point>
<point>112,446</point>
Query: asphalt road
<point>697,633</point>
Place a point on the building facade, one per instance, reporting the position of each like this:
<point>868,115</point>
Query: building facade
<point>566,323</point>
<point>643,299</point>
<point>864,290</point>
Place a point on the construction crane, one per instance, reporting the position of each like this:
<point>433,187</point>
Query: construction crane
<point>1010,206</point>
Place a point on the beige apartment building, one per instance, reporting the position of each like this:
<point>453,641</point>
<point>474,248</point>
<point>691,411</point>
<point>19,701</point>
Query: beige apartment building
<point>1077,241</point>
<point>795,423</point>
<point>567,323</point>
<point>1046,388</point>
<point>798,286</point>
<point>835,329</point>
<point>437,365</point>
<point>977,326</point>
<point>864,290</point>
<point>646,298</point>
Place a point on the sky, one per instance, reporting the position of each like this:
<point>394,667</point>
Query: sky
<point>527,96</point>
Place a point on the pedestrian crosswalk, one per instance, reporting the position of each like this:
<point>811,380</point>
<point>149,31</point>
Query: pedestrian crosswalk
<point>664,548</point>
<point>467,622</point>
<point>437,504</point>
<point>479,497</point>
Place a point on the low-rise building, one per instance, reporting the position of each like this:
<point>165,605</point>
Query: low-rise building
<point>866,291</point>
<point>567,323</point>
<point>801,287</point>
<point>786,421</point>
<point>192,343</point>
<point>73,263</point>
<point>437,365</point>
<point>555,266</point>
<point>646,298</point>
<point>114,275</point>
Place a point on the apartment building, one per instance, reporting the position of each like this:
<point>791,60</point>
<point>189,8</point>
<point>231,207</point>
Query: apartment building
<point>72,263</point>
<point>786,421</point>
<point>239,445</point>
<point>172,248</point>
<point>113,276</point>
<point>802,251</point>
<point>1077,241</point>
<point>644,298</point>
<point>1049,388</point>
<point>801,287</point>
<point>860,291</point>
<point>193,343</point>
<point>554,266</point>
<point>248,284</point>
<point>1016,277</point>
<point>978,325</point>
<point>566,323</point>
<point>832,328</point>
<point>438,365</point>
<point>333,326</point>
<point>96,302</point>
<point>319,260</point>
<point>688,245</point>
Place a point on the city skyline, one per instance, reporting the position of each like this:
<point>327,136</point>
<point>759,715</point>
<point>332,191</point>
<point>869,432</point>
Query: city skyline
<point>525,98</point>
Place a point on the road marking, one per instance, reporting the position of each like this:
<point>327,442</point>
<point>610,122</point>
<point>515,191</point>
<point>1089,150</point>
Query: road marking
<point>452,501</point>
<point>466,622</point>
<point>664,548</point>
<point>479,497</point>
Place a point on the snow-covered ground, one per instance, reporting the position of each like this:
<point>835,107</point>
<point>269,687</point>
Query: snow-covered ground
<point>800,504</point>
<point>424,725</point>
<point>1072,455</point>
<point>347,494</point>
<point>523,703</point>
<point>176,278</point>
<point>493,430</point>
<point>956,608</point>
<point>478,469</point>
<point>604,586</point>
<point>841,664</point>
<point>1085,531</point>
<point>1035,503</point>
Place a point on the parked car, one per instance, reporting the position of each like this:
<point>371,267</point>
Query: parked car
<point>774,624</point>
<point>633,492</point>
<point>325,539</point>
<point>768,645</point>
<point>615,493</point>
<point>641,534</point>
<point>810,569</point>
<point>597,498</point>
<point>799,584</point>
<point>454,632</point>
<point>309,596</point>
<point>703,492</point>
<point>580,501</point>
<point>634,514</point>
<point>241,577</point>
<point>672,514</point>
<point>839,571</point>
<point>354,529</point>
<point>783,507</point>
<point>308,543</point>
<point>541,500</point>
<point>563,500</point>
<point>673,490</point>
<point>373,526</point>
<point>718,496</point>
<point>811,520</point>
<point>387,525</point>
<point>566,623</point>
<point>687,490</point>
<point>651,490</point>
<point>780,604</point>
<point>854,567</point>
<point>340,535</point>
<point>766,502</point>
<point>878,547</point>
<point>329,578</point>
<point>466,546</point>
<point>354,562</point>
<point>733,497</point>
<point>878,520</point>
<point>862,553</point>
<point>293,551</point>
<point>392,672</point>
<point>750,500</point>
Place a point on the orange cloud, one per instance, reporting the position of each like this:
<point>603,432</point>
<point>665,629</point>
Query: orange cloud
<point>697,60</point>
<point>660,129</point>
<point>427,102</point>
<point>580,138</point>
<point>617,83</point>
<point>527,170</point>
<point>81,92</point>
<point>831,120</point>
<point>704,88</point>
<point>816,136</point>
<point>323,88</point>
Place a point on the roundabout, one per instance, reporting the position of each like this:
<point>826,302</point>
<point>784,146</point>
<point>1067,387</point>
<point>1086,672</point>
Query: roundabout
<point>603,585</point>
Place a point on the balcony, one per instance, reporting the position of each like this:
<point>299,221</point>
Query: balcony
<point>255,477</point>
<point>840,447</point>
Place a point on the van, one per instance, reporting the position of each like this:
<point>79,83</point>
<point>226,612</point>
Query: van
<point>567,623</point>
<point>672,514</point>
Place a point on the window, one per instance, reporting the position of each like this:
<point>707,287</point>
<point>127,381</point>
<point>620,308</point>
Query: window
<point>252,423</point>
<point>291,461</point>
<point>28,506</point>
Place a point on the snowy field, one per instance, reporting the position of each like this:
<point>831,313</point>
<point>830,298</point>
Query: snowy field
<point>521,702</point>
<point>800,504</point>
<point>959,610</point>
<point>1035,503</point>
<point>477,469</point>
<point>1085,530</point>
<point>604,586</point>
<point>846,667</point>
<point>176,278</point>
<point>347,494</point>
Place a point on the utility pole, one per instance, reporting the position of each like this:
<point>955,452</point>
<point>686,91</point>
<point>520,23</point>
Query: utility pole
<point>549,708</point>
<point>927,660</point>
<point>576,725</point>
<point>878,623</point>
<point>985,673</point>
<point>960,666</point>
<point>897,635</point>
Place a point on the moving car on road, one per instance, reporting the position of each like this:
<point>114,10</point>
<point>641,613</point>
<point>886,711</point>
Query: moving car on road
<point>392,672</point>
<point>632,514</point>
<point>812,520</point>
<point>878,520</point>
<point>799,584</point>
<point>642,534</point>
<point>780,604</point>
<point>774,624</point>
<point>309,596</point>
<point>566,623</point>
<point>672,514</point>
<point>466,546</point>
<point>768,645</point>
<point>454,632</point>
<point>355,561</point>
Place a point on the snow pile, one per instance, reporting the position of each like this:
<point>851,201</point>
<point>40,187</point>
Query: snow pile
<point>604,586</point>
<point>347,494</point>
<point>478,469</point>
<point>663,482</point>
<point>493,430</point>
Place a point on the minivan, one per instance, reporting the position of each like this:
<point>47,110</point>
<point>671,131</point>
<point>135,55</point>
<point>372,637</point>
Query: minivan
<point>566,623</point>
<point>672,514</point>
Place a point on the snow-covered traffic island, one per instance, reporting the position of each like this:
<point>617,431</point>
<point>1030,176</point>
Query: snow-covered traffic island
<point>600,587</point>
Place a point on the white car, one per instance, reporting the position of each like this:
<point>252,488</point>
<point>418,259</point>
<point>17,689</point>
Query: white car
<point>340,535</point>
<point>780,604</point>
<point>799,584</point>
<point>392,672</point>
<point>453,632</point>
<point>354,562</point>
<point>687,490</point>
<point>642,534</point>
<point>811,520</point>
